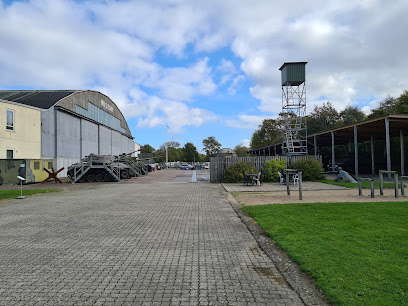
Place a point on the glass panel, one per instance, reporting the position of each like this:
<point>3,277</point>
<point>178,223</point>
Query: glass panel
<point>36,165</point>
<point>99,115</point>
<point>10,154</point>
<point>10,120</point>
<point>50,165</point>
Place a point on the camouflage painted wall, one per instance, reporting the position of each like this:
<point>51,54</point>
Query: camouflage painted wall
<point>31,169</point>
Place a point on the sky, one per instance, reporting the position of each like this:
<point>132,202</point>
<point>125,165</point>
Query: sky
<point>206,68</point>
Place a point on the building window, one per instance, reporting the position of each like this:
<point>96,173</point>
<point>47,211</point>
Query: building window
<point>50,165</point>
<point>36,165</point>
<point>10,154</point>
<point>10,120</point>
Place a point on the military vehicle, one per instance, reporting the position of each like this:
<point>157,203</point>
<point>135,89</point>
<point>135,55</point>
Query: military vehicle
<point>105,168</point>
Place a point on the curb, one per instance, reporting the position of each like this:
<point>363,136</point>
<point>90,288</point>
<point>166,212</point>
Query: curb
<point>300,282</point>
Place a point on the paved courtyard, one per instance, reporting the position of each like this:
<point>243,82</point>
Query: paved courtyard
<point>163,243</point>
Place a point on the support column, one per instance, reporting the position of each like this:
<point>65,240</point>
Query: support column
<point>333,157</point>
<point>402,153</point>
<point>355,151</point>
<point>372,156</point>
<point>56,138</point>
<point>80,138</point>
<point>274,147</point>
<point>387,144</point>
<point>315,145</point>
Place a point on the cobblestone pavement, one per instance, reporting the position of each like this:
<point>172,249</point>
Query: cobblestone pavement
<point>133,244</point>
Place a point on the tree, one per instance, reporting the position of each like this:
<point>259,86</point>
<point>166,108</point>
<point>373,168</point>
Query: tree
<point>147,149</point>
<point>351,114</point>
<point>241,151</point>
<point>170,144</point>
<point>391,106</point>
<point>190,153</point>
<point>175,154</point>
<point>268,133</point>
<point>211,146</point>
<point>323,118</point>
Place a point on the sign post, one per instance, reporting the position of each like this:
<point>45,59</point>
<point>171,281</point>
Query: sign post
<point>21,184</point>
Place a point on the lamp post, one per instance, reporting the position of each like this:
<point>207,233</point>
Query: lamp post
<point>167,155</point>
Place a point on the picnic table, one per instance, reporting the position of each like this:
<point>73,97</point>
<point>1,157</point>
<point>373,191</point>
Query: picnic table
<point>252,177</point>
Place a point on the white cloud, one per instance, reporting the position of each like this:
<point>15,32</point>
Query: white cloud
<point>245,121</point>
<point>356,52</point>
<point>153,111</point>
<point>52,44</point>
<point>245,142</point>
<point>182,83</point>
<point>235,84</point>
<point>227,70</point>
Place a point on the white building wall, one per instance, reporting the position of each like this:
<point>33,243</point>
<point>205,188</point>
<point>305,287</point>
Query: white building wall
<point>89,138</point>
<point>116,143</point>
<point>137,149</point>
<point>68,137</point>
<point>77,138</point>
<point>105,141</point>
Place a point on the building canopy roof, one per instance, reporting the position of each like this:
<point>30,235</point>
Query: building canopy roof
<point>44,99</point>
<point>345,134</point>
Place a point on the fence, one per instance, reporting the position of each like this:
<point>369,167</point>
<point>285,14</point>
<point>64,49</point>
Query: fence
<point>219,164</point>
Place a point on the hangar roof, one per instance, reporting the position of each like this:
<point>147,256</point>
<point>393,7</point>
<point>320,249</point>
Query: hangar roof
<point>73,101</point>
<point>44,99</point>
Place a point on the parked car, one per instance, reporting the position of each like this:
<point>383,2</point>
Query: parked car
<point>186,167</point>
<point>199,166</point>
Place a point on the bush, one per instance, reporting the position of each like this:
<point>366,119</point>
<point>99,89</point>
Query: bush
<point>233,174</point>
<point>271,168</point>
<point>312,169</point>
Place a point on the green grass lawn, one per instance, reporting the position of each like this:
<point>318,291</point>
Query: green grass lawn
<point>12,194</point>
<point>356,252</point>
<point>365,185</point>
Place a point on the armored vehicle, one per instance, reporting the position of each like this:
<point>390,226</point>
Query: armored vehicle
<point>103,168</point>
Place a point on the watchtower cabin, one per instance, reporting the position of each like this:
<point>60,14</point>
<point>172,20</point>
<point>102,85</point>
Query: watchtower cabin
<point>294,108</point>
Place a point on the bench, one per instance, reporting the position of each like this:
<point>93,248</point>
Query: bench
<point>381,174</point>
<point>403,178</point>
<point>365,179</point>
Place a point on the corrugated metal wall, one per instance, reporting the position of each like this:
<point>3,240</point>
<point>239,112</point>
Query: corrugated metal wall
<point>89,138</point>
<point>76,138</point>
<point>294,74</point>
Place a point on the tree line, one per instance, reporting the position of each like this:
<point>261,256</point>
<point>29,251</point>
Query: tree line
<point>326,117</point>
